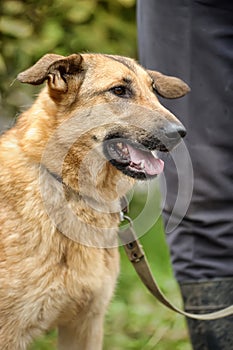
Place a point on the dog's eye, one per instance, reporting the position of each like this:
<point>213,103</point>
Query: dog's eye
<point>120,91</point>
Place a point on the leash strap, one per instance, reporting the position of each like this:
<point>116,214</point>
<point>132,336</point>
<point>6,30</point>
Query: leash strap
<point>139,261</point>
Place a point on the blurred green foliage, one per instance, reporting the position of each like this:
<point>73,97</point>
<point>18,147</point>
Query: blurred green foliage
<point>29,29</point>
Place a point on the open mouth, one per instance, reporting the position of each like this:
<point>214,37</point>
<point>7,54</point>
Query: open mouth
<point>133,159</point>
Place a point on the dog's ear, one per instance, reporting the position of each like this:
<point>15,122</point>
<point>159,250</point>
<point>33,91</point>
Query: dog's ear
<point>168,86</point>
<point>54,68</point>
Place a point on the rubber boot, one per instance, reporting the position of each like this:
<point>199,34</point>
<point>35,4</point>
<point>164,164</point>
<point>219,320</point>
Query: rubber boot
<point>209,296</point>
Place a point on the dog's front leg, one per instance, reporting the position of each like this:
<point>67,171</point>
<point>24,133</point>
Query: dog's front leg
<point>82,336</point>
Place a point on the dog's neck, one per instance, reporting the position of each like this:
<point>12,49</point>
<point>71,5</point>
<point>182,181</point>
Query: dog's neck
<point>99,205</point>
<point>79,217</point>
<point>55,176</point>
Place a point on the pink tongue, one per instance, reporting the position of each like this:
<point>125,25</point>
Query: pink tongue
<point>152,165</point>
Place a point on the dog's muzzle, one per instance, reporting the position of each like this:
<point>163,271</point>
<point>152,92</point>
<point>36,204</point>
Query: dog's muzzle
<point>165,138</point>
<point>137,156</point>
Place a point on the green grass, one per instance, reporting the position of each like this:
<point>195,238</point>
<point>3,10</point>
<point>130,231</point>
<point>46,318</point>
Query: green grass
<point>135,320</point>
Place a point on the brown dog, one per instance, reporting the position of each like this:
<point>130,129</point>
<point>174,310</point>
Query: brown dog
<point>92,131</point>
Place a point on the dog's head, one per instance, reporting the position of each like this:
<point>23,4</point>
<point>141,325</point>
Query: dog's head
<point>132,125</point>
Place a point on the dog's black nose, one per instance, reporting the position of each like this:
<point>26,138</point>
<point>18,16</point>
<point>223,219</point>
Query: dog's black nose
<point>174,131</point>
<point>171,136</point>
<point>165,138</point>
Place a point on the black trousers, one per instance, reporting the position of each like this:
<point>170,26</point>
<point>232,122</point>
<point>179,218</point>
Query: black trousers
<point>194,41</point>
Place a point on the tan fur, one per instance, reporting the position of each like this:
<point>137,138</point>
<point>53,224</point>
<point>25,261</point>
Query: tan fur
<point>50,277</point>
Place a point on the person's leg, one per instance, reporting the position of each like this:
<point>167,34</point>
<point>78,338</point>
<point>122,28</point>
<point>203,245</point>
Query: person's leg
<point>204,297</point>
<point>193,40</point>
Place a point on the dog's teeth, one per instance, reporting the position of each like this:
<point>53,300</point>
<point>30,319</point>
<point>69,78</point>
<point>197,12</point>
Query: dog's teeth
<point>154,153</point>
<point>122,149</point>
<point>125,150</point>
<point>142,164</point>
